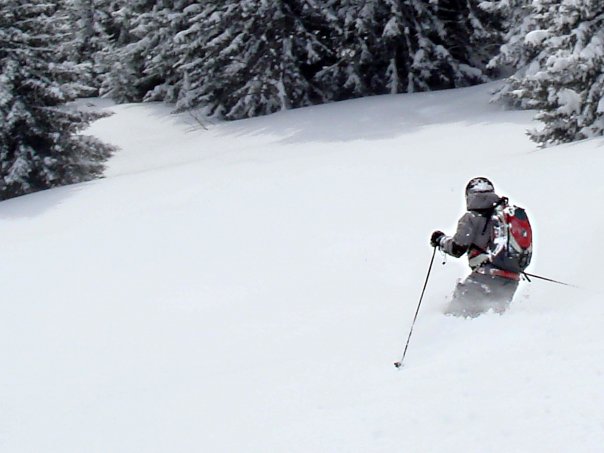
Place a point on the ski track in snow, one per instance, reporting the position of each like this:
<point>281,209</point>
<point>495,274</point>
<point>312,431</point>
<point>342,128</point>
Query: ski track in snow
<point>247,288</point>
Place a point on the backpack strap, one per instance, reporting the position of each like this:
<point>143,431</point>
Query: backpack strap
<point>476,255</point>
<point>488,212</point>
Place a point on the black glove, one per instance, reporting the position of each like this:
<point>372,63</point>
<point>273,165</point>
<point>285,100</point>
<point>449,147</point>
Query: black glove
<point>435,238</point>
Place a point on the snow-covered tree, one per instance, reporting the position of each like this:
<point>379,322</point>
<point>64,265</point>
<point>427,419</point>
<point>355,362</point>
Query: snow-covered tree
<point>201,26</point>
<point>74,47</point>
<point>145,62</point>
<point>391,46</point>
<point>515,54</point>
<point>125,80</point>
<point>565,77</point>
<point>257,57</point>
<point>166,20</point>
<point>470,36</point>
<point>40,144</point>
<point>242,58</point>
<point>154,32</point>
<point>89,31</point>
<point>517,22</point>
<point>355,40</point>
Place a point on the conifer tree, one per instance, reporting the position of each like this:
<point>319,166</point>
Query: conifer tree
<point>515,54</point>
<point>154,31</point>
<point>252,57</point>
<point>201,25</point>
<point>89,33</point>
<point>76,46</point>
<point>145,66</point>
<point>360,64</point>
<point>472,32</point>
<point>390,46</point>
<point>125,80</point>
<point>258,57</point>
<point>39,142</point>
<point>517,21</point>
<point>565,78</point>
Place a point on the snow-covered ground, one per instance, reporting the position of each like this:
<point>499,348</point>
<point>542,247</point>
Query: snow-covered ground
<point>248,286</point>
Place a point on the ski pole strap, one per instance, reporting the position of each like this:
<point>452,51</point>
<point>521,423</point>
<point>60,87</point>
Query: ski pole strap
<point>527,275</point>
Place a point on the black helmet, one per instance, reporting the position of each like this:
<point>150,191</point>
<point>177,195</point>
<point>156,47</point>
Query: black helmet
<point>479,185</point>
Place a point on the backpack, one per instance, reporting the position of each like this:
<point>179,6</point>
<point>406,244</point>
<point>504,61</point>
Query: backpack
<point>512,238</point>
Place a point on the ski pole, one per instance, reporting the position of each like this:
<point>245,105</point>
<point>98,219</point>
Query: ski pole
<point>399,364</point>
<point>527,275</point>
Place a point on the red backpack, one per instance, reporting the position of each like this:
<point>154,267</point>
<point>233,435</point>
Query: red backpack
<point>512,238</point>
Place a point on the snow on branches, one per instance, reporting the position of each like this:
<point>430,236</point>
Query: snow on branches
<point>559,62</point>
<point>239,59</point>
<point>40,144</point>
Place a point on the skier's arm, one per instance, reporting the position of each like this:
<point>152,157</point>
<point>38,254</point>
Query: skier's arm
<point>460,242</point>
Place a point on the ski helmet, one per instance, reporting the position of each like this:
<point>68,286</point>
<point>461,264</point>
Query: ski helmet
<point>479,185</point>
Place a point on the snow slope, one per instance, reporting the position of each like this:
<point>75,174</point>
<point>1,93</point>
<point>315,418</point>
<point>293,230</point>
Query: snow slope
<point>247,287</point>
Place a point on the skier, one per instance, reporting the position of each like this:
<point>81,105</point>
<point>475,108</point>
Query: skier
<point>488,287</point>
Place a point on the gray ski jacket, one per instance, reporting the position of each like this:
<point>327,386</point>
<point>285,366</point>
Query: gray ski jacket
<point>473,235</point>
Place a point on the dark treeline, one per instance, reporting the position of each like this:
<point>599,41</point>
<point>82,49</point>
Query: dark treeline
<point>239,59</point>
